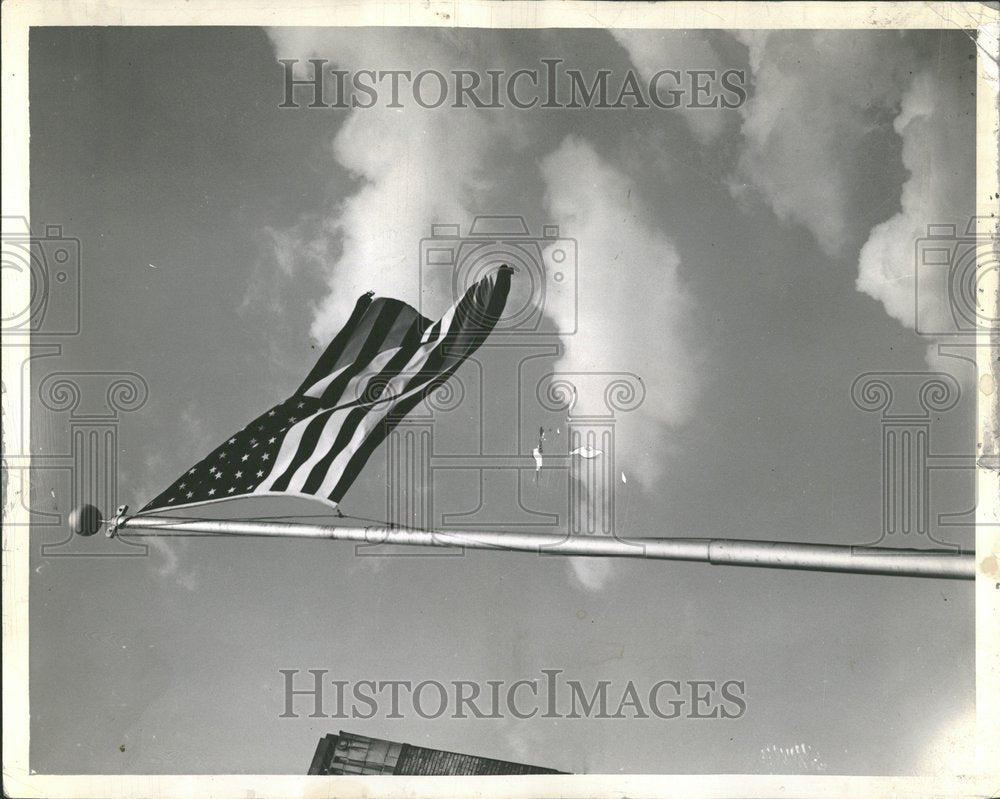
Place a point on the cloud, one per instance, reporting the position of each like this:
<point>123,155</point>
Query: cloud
<point>651,50</point>
<point>818,121</point>
<point>169,561</point>
<point>635,314</point>
<point>936,124</point>
<point>818,103</point>
<point>591,574</point>
<point>412,167</point>
<point>169,564</point>
<point>635,317</point>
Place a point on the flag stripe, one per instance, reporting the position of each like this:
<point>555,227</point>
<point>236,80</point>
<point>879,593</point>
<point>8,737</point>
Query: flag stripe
<point>309,452</point>
<point>322,432</point>
<point>497,299</point>
<point>381,326</point>
<point>471,308</point>
<point>328,360</point>
<point>300,440</point>
<point>381,322</point>
<point>319,388</point>
<point>294,441</point>
<point>358,426</point>
<point>339,482</point>
<point>441,362</point>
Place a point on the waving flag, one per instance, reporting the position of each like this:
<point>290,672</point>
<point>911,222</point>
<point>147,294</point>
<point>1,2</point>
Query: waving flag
<point>386,359</point>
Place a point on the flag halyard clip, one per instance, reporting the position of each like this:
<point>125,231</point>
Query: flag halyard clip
<point>116,520</point>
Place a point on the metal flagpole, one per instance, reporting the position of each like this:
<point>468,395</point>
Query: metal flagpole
<point>944,564</point>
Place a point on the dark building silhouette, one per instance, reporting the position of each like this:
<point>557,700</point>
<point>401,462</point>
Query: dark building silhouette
<point>347,753</point>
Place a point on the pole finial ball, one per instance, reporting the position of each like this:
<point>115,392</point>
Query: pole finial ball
<point>85,520</point>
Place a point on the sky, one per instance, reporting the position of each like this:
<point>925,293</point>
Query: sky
<point>744,264</point>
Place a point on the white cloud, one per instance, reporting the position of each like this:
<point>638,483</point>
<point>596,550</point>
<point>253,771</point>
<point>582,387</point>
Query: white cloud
<point>416,167</point>
<point>169,560</point>
<point>816,101</point>
<point>815,97</point>
<point>592,574</point>
<point>169,564</point>
<point>635,315</point>
<point>935,128</point>
<point>651,51</point>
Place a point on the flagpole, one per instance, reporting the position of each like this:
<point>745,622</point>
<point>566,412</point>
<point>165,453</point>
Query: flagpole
<point>941,564</point>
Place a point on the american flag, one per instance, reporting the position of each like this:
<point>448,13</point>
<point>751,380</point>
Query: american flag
<point>314,444</point>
